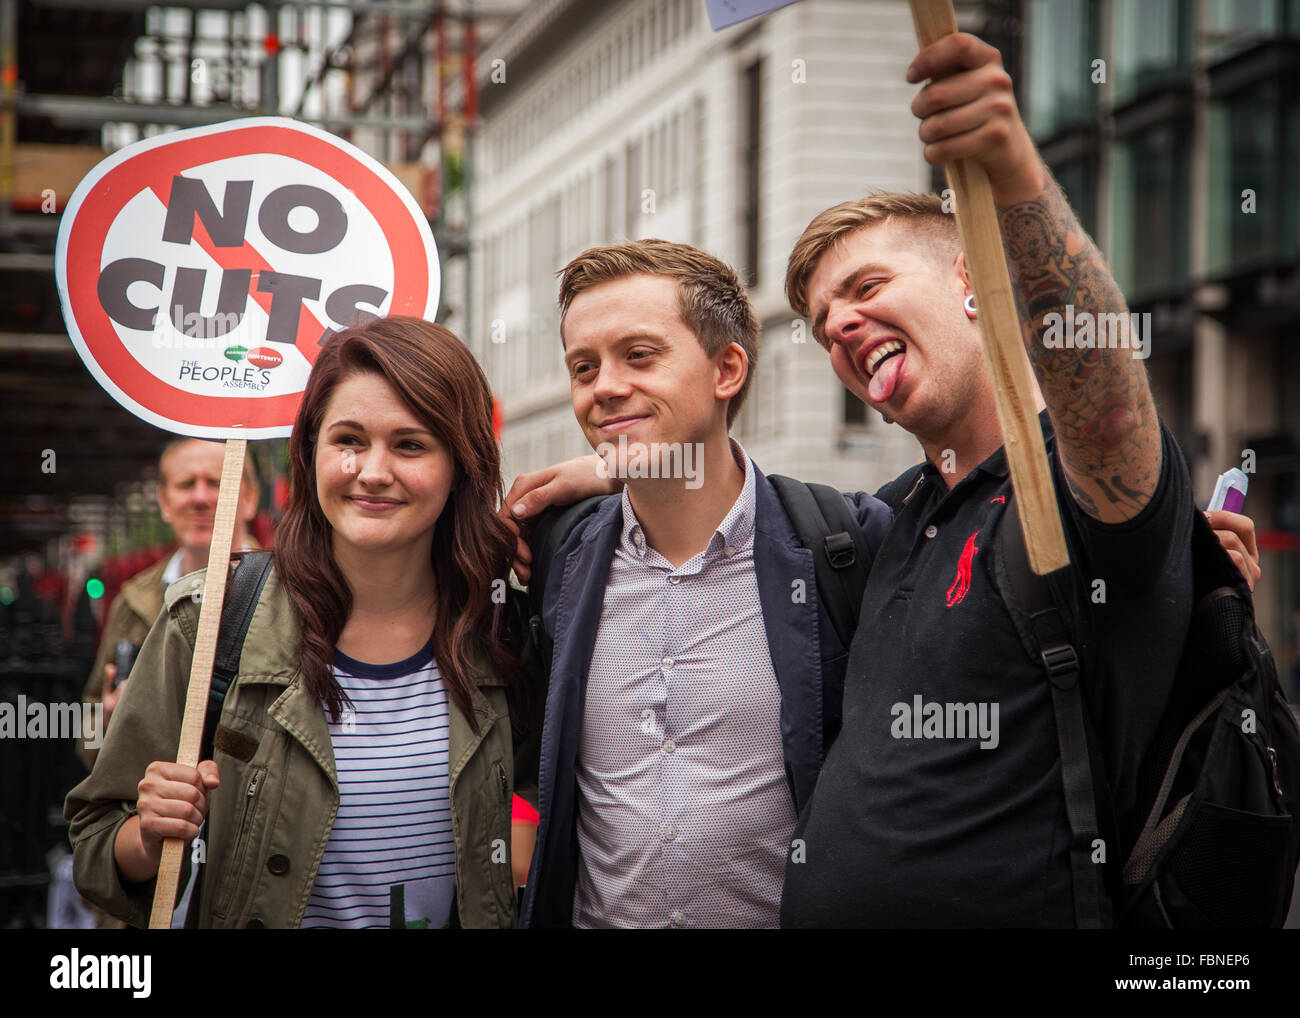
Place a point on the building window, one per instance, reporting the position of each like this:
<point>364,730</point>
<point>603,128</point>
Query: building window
<point>699,172</point>
<point>855,411</point>
<point>1233,25</point>
<point>635,173</point>
<point>1062,47</point>
<point>751,118</point>
<point>608,228</point>
<point>1150,211</point>
<point>1078,180</point>
<point>675,155</point>
<point>1254,143</point>
<point>1152,43</point>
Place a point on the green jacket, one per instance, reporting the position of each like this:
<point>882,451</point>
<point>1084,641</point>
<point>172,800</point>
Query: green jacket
<point>270,817</point>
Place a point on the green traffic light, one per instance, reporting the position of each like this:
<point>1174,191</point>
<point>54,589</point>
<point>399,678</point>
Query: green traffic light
<point>6,595</point>
<point>95,588</point>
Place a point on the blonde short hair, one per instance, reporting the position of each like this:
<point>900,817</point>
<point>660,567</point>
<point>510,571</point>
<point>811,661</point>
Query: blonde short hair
<point>935,229</point>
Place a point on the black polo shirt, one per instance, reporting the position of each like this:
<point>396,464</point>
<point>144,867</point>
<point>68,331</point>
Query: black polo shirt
<point>930,815</point>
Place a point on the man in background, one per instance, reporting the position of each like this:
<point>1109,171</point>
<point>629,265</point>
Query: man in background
<point>189,475</point>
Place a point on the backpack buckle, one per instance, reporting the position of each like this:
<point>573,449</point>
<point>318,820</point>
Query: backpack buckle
<point>1062,665</point>
<point>839,549</point>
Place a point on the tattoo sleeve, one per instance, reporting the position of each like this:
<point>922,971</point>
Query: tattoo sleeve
<point>1082,343</point>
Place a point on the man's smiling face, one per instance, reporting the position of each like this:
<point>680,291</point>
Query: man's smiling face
<point>890,310</point>
<point>635,368</point>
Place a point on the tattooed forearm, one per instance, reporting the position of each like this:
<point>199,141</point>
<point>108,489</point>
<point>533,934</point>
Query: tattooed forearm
<point>1095,389</point>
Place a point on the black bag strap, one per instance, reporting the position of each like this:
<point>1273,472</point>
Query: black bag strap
<point>823,523</point>
<point>242,592</point>
<point>243,589</point>
<point>1036,607</point>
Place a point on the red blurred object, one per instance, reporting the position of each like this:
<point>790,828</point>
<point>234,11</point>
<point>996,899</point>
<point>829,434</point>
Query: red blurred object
<point>271,44</point>
<point>522,813</point>
<point>260,529</point>
<point>280,493</point>
<point>1278,540</point>
<point>498,419</point>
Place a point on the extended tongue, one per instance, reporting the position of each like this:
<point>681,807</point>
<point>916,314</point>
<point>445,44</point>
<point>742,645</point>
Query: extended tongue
<point>885,379</point>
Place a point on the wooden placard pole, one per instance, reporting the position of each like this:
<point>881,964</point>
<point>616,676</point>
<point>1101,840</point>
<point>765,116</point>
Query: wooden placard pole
<point>205,649</point>
<point>981,240</point>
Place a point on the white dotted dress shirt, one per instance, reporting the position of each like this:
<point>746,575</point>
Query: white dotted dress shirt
<point>684,811</point>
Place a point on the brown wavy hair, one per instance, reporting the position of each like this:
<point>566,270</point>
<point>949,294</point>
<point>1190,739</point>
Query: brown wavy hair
<point>442,385</point>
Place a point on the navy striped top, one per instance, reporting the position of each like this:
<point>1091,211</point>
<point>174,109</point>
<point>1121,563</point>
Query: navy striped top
<point>390,859</point>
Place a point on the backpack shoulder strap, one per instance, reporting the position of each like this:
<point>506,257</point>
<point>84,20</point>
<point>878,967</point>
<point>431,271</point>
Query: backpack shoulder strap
<point>841,558</point>
<point>1037,608</point>
<point>242,593</point>
<point>243,589</point>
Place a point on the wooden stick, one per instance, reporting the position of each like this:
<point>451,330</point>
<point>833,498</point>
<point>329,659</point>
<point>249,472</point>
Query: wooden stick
<point>205,649</point>
<point>981,240</point>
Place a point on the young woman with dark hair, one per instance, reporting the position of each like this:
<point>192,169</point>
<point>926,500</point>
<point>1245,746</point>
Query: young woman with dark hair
<point>364,760</point>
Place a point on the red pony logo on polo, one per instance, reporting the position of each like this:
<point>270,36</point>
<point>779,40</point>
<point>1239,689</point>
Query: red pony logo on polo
<point>201,270</point>
<point>961,585</point>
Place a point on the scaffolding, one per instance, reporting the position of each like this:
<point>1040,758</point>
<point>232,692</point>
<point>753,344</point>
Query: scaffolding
<point>82,78</point>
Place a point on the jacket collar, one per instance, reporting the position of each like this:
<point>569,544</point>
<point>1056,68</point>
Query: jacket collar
<point>143,592</point>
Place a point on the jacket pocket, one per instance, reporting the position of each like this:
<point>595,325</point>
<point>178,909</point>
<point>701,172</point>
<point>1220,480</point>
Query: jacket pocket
<point>239,847</point>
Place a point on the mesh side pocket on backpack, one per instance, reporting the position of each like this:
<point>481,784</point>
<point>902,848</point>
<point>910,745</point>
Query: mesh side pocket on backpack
<point>1214,872</point>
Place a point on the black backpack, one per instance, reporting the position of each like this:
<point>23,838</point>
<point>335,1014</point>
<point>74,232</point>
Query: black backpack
<point>820,518</point>
<point>1219,787</point>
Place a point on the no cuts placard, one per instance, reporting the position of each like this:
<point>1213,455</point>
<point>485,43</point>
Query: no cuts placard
<point>200,270</point>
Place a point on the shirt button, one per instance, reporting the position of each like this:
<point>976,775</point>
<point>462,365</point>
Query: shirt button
<point>278,865</point>
<point>674,580</point>
<point>678,920</point>
<point>669,745</point>
<point>671,833</point>
<point>931,530</point>
<point>669,662</point>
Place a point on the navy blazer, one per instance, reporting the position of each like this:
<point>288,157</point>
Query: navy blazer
<point>807,656</point>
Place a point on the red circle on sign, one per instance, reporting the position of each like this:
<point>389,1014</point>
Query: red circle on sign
<point>153,168</point>
<point>264,357</point>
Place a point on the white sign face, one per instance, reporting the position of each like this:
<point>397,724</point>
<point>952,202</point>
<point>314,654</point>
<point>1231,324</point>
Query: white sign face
<point>200,271</point>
